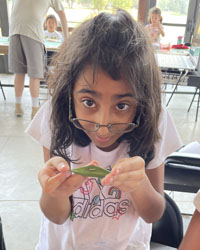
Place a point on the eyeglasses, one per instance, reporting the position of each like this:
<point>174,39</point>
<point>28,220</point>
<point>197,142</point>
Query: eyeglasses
<point>90,126</point>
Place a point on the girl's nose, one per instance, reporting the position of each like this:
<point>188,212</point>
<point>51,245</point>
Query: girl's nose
<point>103,131</point>
<point>103,118</point>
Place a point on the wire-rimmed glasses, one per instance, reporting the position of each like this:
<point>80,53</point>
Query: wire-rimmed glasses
<point>90,126</point>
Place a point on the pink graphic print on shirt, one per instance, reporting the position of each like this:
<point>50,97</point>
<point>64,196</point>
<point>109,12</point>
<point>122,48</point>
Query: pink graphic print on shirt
<point>92,200</point>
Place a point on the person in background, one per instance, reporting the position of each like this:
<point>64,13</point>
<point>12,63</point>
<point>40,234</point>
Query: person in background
<point>155,28</point>
<point>50,33</point>
<point>26,46</point>
<point>106,109</point>
<point>191,240</point>
<point>50,29</point>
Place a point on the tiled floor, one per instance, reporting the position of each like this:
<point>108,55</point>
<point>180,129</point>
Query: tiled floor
<point>21,158</point>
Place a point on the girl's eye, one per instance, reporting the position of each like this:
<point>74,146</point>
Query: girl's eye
<point>89,103</point>
<point>122,106</point>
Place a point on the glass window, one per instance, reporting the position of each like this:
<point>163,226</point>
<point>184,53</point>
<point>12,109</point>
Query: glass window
<point>173,12</point>
<point>80,10</point>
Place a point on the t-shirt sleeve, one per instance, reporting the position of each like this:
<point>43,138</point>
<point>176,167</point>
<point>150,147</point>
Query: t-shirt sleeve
<point>39,128</point>
<point>169,142</point>
<point>197,201</point>
<point>57,5</point>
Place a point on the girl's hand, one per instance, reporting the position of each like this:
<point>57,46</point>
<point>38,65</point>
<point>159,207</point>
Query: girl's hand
<point>159,25</point>
<point>57,180</point>
<point>161,29</point>
<point>127,175</point>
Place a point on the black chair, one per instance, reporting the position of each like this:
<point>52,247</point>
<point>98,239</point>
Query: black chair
<point>182,171</point>
<point>2,243</point>
<point>169,229</point>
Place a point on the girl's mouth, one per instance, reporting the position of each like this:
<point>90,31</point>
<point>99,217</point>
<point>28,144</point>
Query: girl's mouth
<point>102,139</point>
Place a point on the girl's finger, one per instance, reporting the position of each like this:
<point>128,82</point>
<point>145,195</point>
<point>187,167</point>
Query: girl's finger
<point>58,163</point>
<point>75,181</point>
<point>51,171</point>
<point>134,176</point>
<point>127,165</point>
<point>93,163</point>
<point>52,183</point>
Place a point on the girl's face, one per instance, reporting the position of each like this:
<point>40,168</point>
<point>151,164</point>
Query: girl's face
<point>51,25</point>
<point>155,18</point>
<point>104,101</point>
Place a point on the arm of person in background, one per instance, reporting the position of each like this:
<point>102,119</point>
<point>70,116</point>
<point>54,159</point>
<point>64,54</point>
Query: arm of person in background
<point>160,27</point>
<point>64,24</point>
<point>191,239</point>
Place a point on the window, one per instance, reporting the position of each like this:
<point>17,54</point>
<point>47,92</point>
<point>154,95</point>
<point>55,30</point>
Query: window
<point>174,15</point>
<point>196,37</point>
<point>80,10</point>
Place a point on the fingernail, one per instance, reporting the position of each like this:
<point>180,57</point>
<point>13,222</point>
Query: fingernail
<point>95,163</point>
<point>117,170</point>
<point>62,166</point>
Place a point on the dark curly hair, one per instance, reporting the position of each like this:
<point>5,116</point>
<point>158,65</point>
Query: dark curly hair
<point>120,47</point>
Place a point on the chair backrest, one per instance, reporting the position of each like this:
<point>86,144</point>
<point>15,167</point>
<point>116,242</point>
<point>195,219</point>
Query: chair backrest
<point>169,229</point>
<point>2,243</point>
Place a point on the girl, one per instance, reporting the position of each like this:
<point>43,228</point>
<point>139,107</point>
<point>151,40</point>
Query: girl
<point>105,110</point>
<point>155,28</point>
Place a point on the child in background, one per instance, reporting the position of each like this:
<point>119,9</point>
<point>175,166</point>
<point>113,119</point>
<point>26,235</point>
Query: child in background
<point>51,26</point>
<point>105,110</point>
<point>51,34</point>
<point>155,28</point>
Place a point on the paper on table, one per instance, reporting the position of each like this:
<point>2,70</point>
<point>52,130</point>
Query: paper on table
<point>193,147</point>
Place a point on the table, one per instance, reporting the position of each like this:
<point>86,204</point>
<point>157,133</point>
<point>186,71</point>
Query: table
<point>49,45</point>
<point>157,246</point>
<point>177,63</point>
<point>188,76</point>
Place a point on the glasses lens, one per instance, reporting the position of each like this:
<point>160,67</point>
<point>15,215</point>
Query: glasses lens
<point>85,125</point>
<point>93,127</point>
<point>122,127</point>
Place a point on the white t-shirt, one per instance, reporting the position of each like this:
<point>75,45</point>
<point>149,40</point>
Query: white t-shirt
<point>53,35</point>
<point>103,217</point>
<point>153,32</point>
<point>27,17</point>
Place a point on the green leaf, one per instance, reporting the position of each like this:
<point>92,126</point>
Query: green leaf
<point>91,171</point>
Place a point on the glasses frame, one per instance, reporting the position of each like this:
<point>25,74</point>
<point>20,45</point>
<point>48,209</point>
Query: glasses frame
<point>98,126</point>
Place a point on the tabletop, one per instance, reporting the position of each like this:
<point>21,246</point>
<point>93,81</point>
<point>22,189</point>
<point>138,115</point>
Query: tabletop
<point>49,45</point>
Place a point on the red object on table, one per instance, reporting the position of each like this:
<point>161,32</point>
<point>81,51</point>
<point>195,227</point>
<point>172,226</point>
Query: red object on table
<point>165,46</point>
<point>179,46</point>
